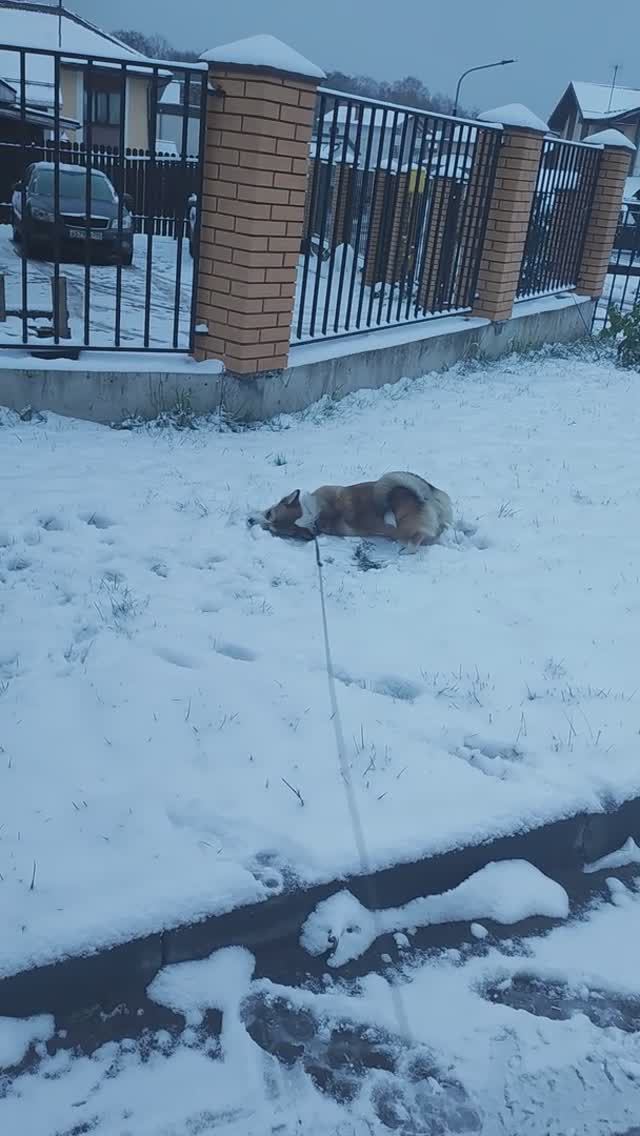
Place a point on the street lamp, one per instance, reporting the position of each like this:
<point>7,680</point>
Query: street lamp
<point>483,67</point>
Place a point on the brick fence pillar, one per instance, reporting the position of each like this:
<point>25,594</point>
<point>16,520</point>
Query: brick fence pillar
<point>605,212</point>
<point>259,125</point>
<point>509,210</point>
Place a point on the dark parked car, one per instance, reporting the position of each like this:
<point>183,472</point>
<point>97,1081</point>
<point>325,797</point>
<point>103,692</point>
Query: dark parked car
<point>38,228</point>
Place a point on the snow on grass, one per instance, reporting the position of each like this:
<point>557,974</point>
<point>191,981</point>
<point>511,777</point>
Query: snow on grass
<point>167,749</point>
<point>506,891</point>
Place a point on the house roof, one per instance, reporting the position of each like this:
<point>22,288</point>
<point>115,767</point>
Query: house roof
<point>370,116</point>
<point>599,101</point>
<point>26,24</point>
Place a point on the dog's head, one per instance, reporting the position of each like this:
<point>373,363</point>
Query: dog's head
<point>281,518</point>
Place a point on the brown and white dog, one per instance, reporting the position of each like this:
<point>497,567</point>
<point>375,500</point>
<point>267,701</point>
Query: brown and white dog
<point>399,506</point>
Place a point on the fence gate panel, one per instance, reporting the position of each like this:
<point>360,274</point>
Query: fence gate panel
<point>622,287</point>
<point>560,212</point>
<point>396,212</point>
<point>98,187</point>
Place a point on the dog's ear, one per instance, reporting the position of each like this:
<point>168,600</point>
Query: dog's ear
<point>292,499</point>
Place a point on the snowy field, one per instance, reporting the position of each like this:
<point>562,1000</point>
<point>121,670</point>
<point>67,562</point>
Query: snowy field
<point>541,1036</point>
<point>103,295</point>
<point>167,748</point>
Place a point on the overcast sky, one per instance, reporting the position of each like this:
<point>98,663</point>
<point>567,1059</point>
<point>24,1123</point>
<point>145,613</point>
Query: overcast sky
<point>553,40</point>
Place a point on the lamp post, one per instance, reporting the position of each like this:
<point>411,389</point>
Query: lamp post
<point>482,67</point>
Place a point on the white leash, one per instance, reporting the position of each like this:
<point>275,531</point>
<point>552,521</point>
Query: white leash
<point>365,863</point>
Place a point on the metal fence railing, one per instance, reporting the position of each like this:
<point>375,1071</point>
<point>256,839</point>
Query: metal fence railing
<point>396,211</point>
<point>622,286</point>
<point>95,217</point>
<point>565,186</point>
<point>158,192</point>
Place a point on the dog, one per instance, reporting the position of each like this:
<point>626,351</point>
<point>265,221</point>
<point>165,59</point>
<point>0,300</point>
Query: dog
<point>399,506</point>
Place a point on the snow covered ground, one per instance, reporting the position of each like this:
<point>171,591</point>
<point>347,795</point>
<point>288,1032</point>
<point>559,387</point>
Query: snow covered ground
<point>167,748</point>
<point>541,1036</point>
<point>103,295</point>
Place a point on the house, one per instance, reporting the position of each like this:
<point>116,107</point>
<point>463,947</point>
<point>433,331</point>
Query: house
<point>588,107</point>
<point>177,104</point>
<point>24,24</point>
<point>385,136</point>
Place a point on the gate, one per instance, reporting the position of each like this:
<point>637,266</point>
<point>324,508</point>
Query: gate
<point>622,288</point>
<point>96,198</point>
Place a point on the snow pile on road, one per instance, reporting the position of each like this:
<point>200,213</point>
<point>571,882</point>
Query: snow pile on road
<point>506,891</point>
<point>167,747</point>
<point>18,1035</point>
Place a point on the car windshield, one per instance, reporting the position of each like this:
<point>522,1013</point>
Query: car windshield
<point>73,184</point>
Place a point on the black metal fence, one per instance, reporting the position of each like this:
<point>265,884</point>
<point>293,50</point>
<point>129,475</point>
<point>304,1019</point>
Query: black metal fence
<point>566,183</point>
<point>622,287</point>
<point>92,212</point>
<point>158,192</point>
<point>396,211</point>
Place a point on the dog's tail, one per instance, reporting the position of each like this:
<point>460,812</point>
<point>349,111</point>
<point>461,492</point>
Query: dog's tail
<point>426,493</point>
<point>436,511</point>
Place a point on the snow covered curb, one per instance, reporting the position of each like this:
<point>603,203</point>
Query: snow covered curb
<point>442,894</point>
<point>507,891</point>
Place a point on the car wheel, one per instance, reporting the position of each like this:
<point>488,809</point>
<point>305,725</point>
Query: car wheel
<point>126,260</point>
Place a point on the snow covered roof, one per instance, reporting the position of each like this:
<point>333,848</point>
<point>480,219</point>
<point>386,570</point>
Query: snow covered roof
<point>516,115</point>
<point>264,51</point>
<point>598,100</point>
<point>51,29</point>
<point>172,94</point>
<point>39,25</point>
<point>632,190</point>
<point>610,138</point>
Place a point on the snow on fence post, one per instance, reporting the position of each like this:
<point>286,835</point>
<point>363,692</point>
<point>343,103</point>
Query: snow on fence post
<point>259,125</point>
<point>605,211</point>
<point>509,210</point>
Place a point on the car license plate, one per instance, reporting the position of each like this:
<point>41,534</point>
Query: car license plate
<point>79,234</point>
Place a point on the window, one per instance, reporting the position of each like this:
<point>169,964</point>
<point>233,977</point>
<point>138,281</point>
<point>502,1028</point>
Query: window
<point>102,107</point>
<point>72,183</point>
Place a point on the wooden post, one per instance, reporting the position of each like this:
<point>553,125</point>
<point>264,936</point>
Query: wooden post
<point>3,300</point>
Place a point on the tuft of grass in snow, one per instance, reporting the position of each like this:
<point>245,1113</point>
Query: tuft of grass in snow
<point>506,509</point>
<point>117,605</point>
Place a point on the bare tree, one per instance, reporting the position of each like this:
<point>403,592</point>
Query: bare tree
<point>154,46</point>
<point>409,91</point>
